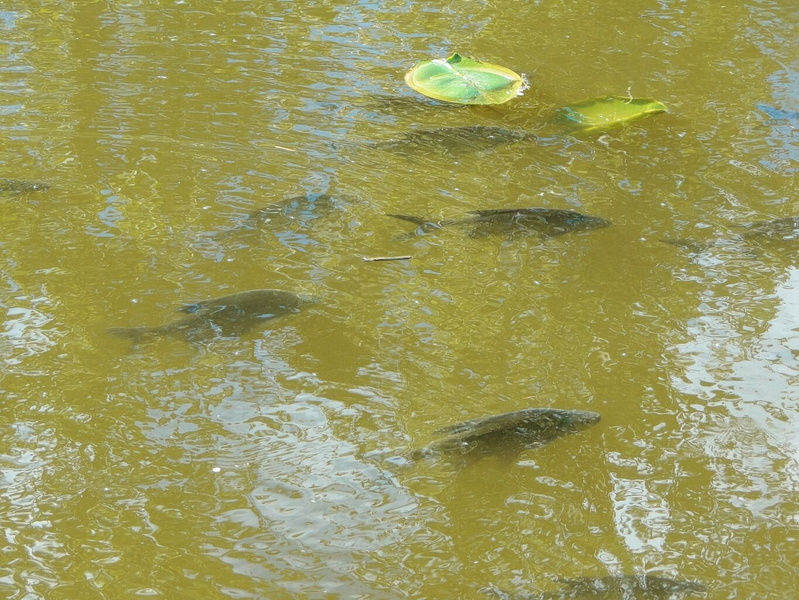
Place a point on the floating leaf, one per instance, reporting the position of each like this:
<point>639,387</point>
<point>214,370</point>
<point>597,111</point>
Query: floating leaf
<point>463,80</point>
<point>608,111</point>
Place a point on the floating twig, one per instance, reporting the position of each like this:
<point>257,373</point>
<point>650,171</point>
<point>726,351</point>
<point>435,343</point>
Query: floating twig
<point>382,258</point>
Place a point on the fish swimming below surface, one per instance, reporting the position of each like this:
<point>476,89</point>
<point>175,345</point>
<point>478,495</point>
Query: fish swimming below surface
<point>457,139</point>
<point>776,230</point>
<point>15,186</point>
<point>231,315</point>
<point>513,222</point>
<point>778,114</point>
<point>785,230</point>
<point>622,587</point>
<point>296,208</point>
<point>507,433</point>
<point>294,212</point>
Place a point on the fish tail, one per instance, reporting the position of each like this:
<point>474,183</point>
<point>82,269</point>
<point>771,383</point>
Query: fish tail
<point>134,334</point>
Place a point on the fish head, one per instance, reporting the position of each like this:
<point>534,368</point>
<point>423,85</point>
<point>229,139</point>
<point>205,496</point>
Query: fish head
<point>588,222</point>
<point>304,299</point>
<point>564,221</point>
<point>571,421</point>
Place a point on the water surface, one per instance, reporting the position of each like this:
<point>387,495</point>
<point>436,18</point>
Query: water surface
<point>261,466</point>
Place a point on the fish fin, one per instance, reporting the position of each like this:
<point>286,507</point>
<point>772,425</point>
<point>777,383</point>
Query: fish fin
<point>134,334</point>
<point>483,424</point>
<point>495,422</point>
<point>503,211</point>
<point>452,429</point>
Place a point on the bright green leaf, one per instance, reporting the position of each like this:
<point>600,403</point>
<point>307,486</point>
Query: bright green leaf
<point>608,111</point>
<point>463,80</point>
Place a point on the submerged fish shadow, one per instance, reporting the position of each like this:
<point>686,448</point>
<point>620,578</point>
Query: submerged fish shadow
<point>232,315</point>
<point>297,213</point>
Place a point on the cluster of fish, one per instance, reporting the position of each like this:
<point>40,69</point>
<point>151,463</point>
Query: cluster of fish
<point>512,223</point>
<point>622,587</point>
<point>236,314</point>
<point>505,434</point>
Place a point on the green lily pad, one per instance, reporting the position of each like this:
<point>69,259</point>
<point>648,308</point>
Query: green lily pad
<point>464,80</point>
<point>608,111</point>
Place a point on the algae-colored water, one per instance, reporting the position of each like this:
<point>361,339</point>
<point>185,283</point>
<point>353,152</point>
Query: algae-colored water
<point>269,465</point>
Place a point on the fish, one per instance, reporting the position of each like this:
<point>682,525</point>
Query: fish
<point>776,230</point>
<point>507,433</point>
<point>628,587</point>
<point>15,186</point>
<point>231,315</point>
<point>785,230</point>
<point>778,114</point>
<point>621,587</point>
<point>302,210</point>
<point>296,208</point>
<point>457,139</point>
<point>689,245</point>
<point>512,222</point>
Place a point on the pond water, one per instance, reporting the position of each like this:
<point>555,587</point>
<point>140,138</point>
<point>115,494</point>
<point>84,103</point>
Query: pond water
<point>271,464</point>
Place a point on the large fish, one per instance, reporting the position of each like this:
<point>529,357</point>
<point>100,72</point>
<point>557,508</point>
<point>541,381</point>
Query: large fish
<point>507,433</point>
<point>543,222</point>
<point>15,186</point>
<point>230,315</point>
<point>622,587</point>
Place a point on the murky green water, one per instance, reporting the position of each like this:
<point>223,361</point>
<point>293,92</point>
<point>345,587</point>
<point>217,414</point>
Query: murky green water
<point>266,466</point>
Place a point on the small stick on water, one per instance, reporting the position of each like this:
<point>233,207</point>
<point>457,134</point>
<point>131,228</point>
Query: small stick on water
<point>381,258</point>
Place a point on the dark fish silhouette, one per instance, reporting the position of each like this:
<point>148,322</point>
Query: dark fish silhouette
<point>230,315</point>
<point>785,230</point>
<point>15,186</point>
<point>776,230</point>
<point>508,433</point>
<point>457,139</point>
<point>543,222</point>
<point>623,587</point>
<point>778,114</point>
<point>628,587</point>
<point>298,210</point>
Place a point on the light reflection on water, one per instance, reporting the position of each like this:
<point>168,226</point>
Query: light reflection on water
<point>750,389</point>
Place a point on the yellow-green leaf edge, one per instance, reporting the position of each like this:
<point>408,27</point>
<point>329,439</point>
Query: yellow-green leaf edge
<point>426,77</point>
<point>583,122</point>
